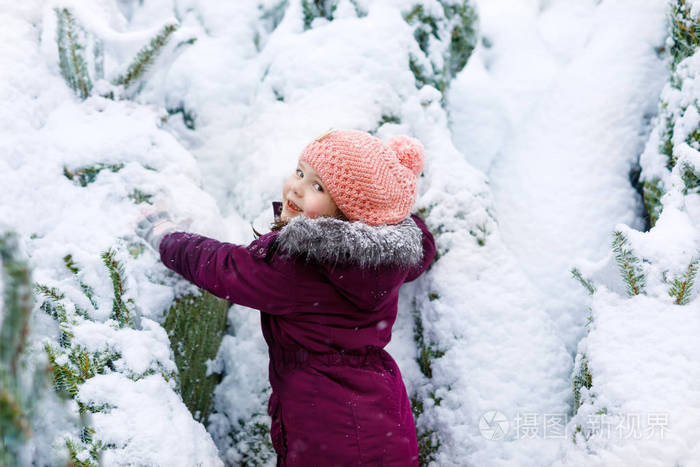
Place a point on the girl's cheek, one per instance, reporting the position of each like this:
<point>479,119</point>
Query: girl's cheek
<point>311,209</point>
<point>311,213</point>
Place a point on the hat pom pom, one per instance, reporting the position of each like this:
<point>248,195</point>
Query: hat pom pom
<point>410,152</point>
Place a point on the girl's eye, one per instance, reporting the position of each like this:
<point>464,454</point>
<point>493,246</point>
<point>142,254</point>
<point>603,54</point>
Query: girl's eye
<point>318,187</point>
<point>300,173</point>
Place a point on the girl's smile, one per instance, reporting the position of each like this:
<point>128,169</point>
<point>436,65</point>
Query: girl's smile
<point>293,207</point>
<point>304,193</point>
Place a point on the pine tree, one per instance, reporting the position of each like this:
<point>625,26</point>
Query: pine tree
<point>72,40</point>
<point>685,31</point>
<point>676,112</point>
<point>428,440</point>
<point>446,40</point>
<point>312,9</point>
<point>251,437</point>
<point>196,326</point>
<point>19,391</point>
<point>72,364</point>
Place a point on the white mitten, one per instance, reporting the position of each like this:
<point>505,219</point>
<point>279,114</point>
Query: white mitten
<point>154,226</point>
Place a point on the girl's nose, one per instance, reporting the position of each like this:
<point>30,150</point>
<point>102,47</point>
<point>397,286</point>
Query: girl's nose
<point>297,188</point>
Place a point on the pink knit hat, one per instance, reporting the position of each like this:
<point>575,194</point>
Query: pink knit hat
<point>369,180</point>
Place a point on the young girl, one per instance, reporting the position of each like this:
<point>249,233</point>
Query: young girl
<point>326,280</point>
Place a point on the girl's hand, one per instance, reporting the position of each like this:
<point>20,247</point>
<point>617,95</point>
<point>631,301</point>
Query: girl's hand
<point>155,225</point>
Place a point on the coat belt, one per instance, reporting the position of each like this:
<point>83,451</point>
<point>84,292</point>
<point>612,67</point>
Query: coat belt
<point>299,357</point>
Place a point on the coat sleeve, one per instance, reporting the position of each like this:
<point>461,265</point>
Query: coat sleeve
<point>428,250</point>
<point>233,272</point>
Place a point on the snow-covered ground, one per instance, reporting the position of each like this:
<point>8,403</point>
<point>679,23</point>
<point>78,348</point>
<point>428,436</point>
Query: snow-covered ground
<point>576,83</point>
<point>527,176</point>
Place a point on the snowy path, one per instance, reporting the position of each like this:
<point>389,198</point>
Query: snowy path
<point>573,86</point>
<point>555,112</point>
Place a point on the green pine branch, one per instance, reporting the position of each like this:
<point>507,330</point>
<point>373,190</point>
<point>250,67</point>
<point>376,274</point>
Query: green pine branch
<point>428,440</point>
<point>120,311</point>
<point>690,177</point>
<point>584,282</point>
<point>77,457</point>
<point>87,290</point>
<point>312,9</point>
<point>138,196</point>
<point>52,293</point>
<point>83,176</point>
<point>681,287</point>
<point>71,52</point>
<point>55,308</point>
<point>628,265</point>
<point>463,36</point>
<point>456,27</point>
<point>65,381</point>
<point>251,436</point>
<point>146,57</point>
<point>426,350</point>
<point>71,368</point>
<point>685,31</point>
<point>666,137</point>
<point>70,40</point>
<point>652,191</point>
<point>71,364</point>
<point>582,379</point>
<point>428,446</point>
<point>480,233</point>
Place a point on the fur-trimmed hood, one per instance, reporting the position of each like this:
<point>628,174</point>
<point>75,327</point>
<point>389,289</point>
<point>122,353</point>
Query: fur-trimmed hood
<point>333,241</point>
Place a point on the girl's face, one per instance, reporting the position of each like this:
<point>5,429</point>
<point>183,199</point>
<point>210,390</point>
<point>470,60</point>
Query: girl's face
<point>303,193</point>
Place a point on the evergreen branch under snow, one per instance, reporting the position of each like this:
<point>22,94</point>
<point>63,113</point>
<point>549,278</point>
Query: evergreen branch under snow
<point>628,264</point>
<point>585,282</point>
<point>146,56</point>
<point>681,287</point>
<point>120,312</point>
<point>70,54</point>
<point>87,290</point>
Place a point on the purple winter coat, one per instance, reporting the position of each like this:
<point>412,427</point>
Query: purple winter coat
<point>327,291</point>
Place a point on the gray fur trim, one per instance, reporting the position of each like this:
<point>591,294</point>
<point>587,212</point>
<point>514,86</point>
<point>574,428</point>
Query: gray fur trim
<point>329,240</point>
